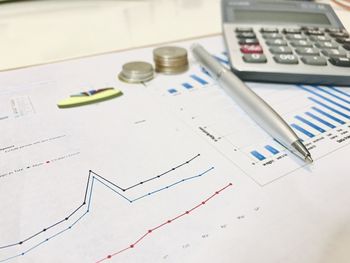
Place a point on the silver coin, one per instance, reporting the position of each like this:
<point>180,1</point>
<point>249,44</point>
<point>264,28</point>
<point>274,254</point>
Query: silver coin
<point>136,72</point>
<point>172,70</point>
<point>170,60</point>
<point>170,52</point>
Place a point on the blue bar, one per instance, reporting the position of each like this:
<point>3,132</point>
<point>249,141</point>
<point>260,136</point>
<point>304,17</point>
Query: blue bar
<point>187,85</point>
<point>325,98</point>
<point>271,149</point>
<point>172,91</point>
<point>330,125</point>
<point>205,72</point>
<point>222,60</point>
<point>340,91</point>
<point>330,108</point>
<point>309,123</point>
<point>258,155</point>
<point>198,79</point>
<point>328,115</point>
<point>297,127</point>
<point>332,94</point>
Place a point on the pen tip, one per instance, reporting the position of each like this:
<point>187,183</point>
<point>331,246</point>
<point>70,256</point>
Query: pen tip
<point>308,159</point>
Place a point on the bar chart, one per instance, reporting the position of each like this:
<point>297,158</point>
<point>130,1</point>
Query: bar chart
<point>319,115</point>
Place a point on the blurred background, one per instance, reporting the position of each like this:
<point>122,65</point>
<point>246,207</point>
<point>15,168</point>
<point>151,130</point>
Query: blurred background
<point>36,32</point>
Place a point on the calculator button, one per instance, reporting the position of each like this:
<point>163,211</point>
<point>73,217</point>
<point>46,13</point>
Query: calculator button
<point>281,50</point>
<point>334,52</point>
<point>307,51</point>
<point>314,60</point>
<point>292,30</point>
<point>272,36</point>
<point>246,35</point>
<point>248,41</point>
<point>320,38</point>
<point>276,42</point>
<point>301,43</point>
<point>334,30</point>
<point>343,40</point>
<point>314,32</point>
<point>340,62</point>
<point>295,37</point>
<point>326,45</point>
<point>254,58</point>
<point>346,46</point>
<point>269,30</point>
<point>339,34</point>
<point>286,59</point>
<point>250,49</point>
<point>244,29</point>
<point>307,28</point>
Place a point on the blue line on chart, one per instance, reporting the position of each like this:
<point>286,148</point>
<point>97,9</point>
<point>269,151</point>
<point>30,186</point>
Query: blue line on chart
<point>339,91</point>
<point>206,72</point>
<point>159,190</point>
<point>271,149</point>
<point>330,108</point>
<point>332,94</point>
<point>187,85</point>
<point>258,155</point>
<point>307,133</point>
<point>330,125</point>
<point>328,115</point>
<point>172,91</point>
<point>309,123</point>
<point>223,61</point>
<point>324,98</point>
<point>89,206</point>
<point>198,79</point>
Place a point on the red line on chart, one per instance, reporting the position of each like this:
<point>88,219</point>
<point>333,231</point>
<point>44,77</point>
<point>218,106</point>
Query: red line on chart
<point>163,224</point>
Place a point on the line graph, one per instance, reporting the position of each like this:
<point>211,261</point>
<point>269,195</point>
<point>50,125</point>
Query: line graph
<point>150,231</point>
<point>93,177</point>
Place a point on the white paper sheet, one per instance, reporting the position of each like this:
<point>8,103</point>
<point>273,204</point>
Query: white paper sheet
<point>167,176</point>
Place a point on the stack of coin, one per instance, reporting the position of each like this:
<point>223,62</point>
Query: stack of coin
<point>170,60</point>
<point>136,72</point>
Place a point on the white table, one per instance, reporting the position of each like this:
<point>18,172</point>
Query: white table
<point>37,32</point>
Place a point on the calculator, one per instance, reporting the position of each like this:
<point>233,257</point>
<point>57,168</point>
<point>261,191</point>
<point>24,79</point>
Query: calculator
<point>286,41</point>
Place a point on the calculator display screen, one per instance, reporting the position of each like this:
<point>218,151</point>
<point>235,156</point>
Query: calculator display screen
<point>248,16</point>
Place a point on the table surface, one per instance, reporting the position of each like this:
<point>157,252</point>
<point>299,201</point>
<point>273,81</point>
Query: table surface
<point>36,32</point>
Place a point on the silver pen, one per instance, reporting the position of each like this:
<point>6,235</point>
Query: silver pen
<point>262,113</point>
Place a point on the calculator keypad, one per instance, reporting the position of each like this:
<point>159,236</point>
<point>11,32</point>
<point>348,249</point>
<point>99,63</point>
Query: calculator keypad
<point>314,60</point>
<point>341,62</point>
<point>334,53</point>
<point>307,51</point>
<point>300,43</point>
<point>326,45</point>
<point>250,49</point>
<point>276,42</point>
<point>272,36</point>
<point>248,41</point>
<point>286,59</point>
<point>254,58</point>
<point>281,50</point>
<point>310,45</point>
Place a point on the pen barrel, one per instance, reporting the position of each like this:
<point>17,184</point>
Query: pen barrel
<point>263,114</point>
